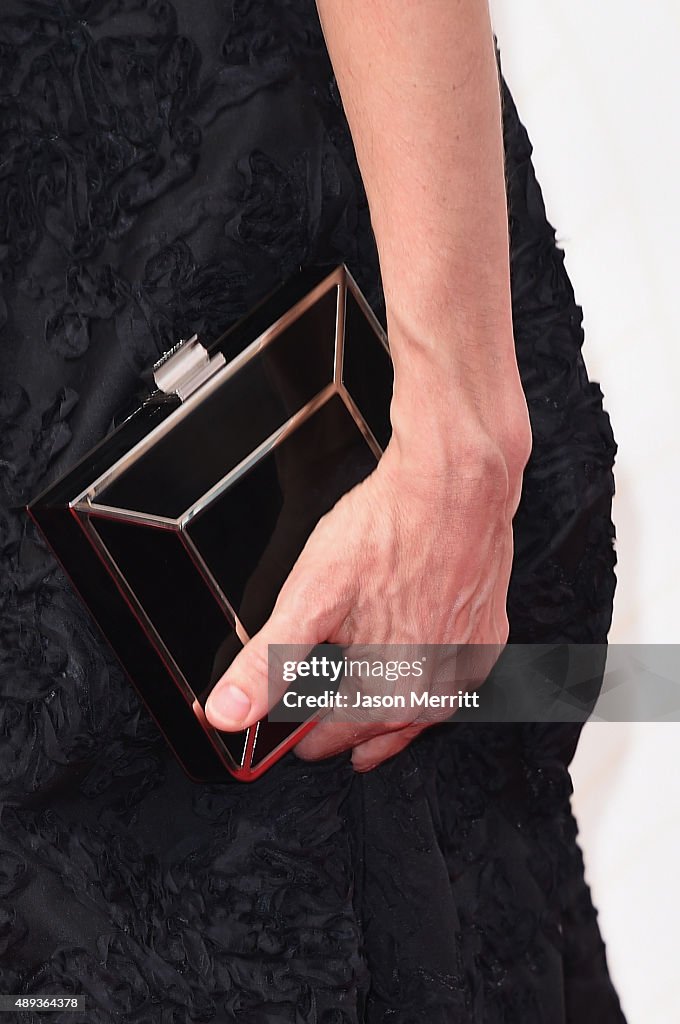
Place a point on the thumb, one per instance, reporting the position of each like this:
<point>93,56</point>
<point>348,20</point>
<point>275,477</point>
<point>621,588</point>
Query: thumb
<point>305,614</point>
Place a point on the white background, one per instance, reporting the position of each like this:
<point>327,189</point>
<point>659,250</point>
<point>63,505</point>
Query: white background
<point>598,86</point>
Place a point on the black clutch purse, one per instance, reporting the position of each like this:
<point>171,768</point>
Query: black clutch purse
<point>179,528</point>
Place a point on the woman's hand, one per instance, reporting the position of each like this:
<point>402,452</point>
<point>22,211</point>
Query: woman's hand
<point>420,552</point>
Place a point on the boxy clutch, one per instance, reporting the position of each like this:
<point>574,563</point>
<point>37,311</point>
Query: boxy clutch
<point>179,528</point>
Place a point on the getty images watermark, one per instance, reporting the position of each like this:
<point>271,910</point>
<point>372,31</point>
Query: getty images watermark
<point>475,682</point>
<point>334,670</point>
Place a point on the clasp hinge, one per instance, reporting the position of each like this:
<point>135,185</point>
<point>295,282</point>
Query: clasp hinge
<point>187,366</point>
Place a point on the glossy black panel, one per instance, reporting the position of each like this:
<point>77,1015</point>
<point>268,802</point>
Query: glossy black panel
<point>269,736</point>
<point>235,743</point>
<point>140,660</point>
<point>108,451</point>
<point>251,535</point>
<point>234,419</point>
<point>367,371</point>
<point>270,308</point>
<point>166,582</point>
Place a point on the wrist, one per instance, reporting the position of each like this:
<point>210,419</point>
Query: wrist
<point>459,399</point>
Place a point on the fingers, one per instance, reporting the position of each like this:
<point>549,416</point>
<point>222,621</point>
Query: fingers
<point>332,737</point>
<point>374,751</point>
<point>303,616</point>
<point>375,724</point>
<point>242,696</point>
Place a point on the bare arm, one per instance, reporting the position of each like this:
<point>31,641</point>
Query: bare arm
<point>419,84</point>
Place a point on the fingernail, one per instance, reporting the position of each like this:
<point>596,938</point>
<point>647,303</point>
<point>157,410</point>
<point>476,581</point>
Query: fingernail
<point>228,705</point>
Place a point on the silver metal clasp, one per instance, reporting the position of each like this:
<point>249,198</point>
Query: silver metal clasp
<point>183,369</point>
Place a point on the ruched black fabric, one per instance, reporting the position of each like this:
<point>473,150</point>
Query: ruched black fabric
<point>163,165</point>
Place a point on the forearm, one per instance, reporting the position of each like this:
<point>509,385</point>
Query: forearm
<point>419,84</point>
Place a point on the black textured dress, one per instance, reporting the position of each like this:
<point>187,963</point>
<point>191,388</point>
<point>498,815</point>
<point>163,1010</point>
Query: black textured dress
<point>164,165</point>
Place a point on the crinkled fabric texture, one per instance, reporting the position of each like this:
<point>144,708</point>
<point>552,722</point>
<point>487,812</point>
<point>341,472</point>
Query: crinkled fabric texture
<point>164,165</point>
